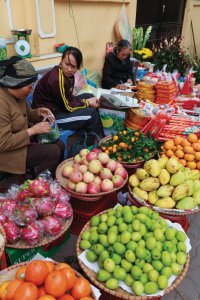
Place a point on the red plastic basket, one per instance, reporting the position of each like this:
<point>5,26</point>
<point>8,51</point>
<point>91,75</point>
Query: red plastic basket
<point>80,218</point>
<point>85,206</point>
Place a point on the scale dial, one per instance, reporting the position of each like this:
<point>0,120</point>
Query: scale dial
<point>22,48</point>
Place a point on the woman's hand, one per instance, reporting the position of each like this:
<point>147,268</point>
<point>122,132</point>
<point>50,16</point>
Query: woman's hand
<point>94,102</point>
<point>45,112</point>
<point>121,87</point>
<point>41,127</point>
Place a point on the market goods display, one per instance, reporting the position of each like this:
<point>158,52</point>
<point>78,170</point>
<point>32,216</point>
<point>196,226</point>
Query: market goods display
<point>136,118</point>
<point>133,249</point>
<point>34,213</point>
<point>167,185</point>
<point>185,150</point>
<point>91,173</point>
<point>2,240</point>
<point>146,90</point>
<point>130,146</point>
<point>44,280</point>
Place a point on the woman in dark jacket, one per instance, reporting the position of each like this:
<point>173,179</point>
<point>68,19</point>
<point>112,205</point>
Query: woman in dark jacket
<point>117,68</point>
<point>55,91</point>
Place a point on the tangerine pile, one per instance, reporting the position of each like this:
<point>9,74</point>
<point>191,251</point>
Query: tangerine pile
<point>43,280</point>
<point>186,150</point>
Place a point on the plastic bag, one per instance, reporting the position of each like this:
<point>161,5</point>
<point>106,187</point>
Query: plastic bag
<point>51,137</point>
<point>122,26</point>
<point>80,82</point>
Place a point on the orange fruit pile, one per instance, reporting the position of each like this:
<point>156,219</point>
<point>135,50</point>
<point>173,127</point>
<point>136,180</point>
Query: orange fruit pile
<point>42,280</point>
<point>186,150</point>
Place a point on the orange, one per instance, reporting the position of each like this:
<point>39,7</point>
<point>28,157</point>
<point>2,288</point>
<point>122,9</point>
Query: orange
<point>197,155</point>
<point>81,288</point>
<point>168,145</point>
<point>196,146</point>
<point>20,274</point>
<point>198,165</point>
<point>169,153</point>
<point>36,272</point>
<point>41,291</point>
<point>26,291</point>
<point>179,147</point>
<point>11,289</point>
<point>71,277</point>
<point>191,164</point>
<point>185,143</point>
<point>66,297</point>
<point>4,290</point>
<point>50,265</point>
<point>179,153</point>
<point>188,149</point>
<point>183,162</point>
<point>189,157</point>
<point>177,140</point>
<point>192,137</point>
<point>56,283</point>
<point>47,297</point>
<point>61,266</point>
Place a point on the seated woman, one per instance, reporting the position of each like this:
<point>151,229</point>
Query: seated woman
<point>117,68</point>
<point>16,151</point>
<point>55,91</point>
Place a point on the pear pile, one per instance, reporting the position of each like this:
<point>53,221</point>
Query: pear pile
<point>167,184</point>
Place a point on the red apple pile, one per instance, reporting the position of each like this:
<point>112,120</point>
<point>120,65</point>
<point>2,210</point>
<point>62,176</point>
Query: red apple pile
<point>93,172</point>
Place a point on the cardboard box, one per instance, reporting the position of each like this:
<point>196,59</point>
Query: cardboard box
<point>112,120</point>
<point>15,256</point>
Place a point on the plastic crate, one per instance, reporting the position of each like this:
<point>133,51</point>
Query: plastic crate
<point>80,218</point>
<point>84,206</point>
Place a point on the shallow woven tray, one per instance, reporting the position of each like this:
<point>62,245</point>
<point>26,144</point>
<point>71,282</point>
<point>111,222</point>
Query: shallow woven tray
<point>45,240</point>
<point>125,163</point>
<point>162,210</point>
<point>119,292</point>
<point>62,180</point>
<point>2,232</point>
<point>9,273</point>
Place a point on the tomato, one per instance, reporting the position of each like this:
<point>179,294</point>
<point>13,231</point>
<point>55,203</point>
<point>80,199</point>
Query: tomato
<point>81,288</point>
<point>20,274</point>
<point>56,284</point>
<point>66,297</point>
<point>4,290</point>
<point>26,291</point>
<point>71,277</point>
<point>36,272</point>
<point>12,287</point>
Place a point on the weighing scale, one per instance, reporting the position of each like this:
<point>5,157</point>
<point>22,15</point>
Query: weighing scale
<point>22,46</point>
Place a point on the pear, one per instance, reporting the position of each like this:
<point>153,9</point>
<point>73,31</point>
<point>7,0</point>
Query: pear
<point>166,202</point>
<point>162,162</point>
<point>165,191</point>
<point>152,197</point>
<point>195,174</point>
<point>140,193</point>
<point>186,203</point>
<point>152,167</point>
<point>180,192</point>
<point>188,173</point>
<point>164,177</point>
<point>141,174</point>
<point>173,165</point>
<point>191,185</point>
<point>196,185</point>
<point>196,196</point>
<point>150,184</point>
<point>177,178</point>
<point>133,180</point>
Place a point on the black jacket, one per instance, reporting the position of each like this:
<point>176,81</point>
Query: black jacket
<point>115,71</point>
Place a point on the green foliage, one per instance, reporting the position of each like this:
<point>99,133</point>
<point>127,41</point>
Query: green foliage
<point>139,38</point>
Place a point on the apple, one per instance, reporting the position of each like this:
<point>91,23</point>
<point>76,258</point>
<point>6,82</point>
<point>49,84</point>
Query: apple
<point>112,165</point>
<point>93,188</point>
<point>106,185</point>
<point>103,158</point>
<point>77,158</point>
<point>97,180</point>
<point>88,177</point>
<point>95,166</point>
<point>105,173</point>
<point>71,185</point>
<point>91,156</point>
<point>84,161</point>
<point>97,151</point>
<point>83,168</point>
<point>121,171</point>
<point>117,181</point>
<point>84,152</point>
<point>119,165</point>
<point>76,176</point>
<point>67,170</point>
<point>81,187</point>
<point>76,166</point>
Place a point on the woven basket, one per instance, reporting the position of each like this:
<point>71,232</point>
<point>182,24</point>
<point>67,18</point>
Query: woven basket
<point>9,274</point>
<point>120,293</point>
<point>84,197</point>
<point>45,240</point>
<point>2,232</point>
<point>162,210</point>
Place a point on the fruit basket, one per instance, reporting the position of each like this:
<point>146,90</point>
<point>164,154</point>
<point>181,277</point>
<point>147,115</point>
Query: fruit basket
<point>45,239</point>
<point>3,240</point>
<point>9,274</point>
<point>120,293</point>
<point>83,196</point>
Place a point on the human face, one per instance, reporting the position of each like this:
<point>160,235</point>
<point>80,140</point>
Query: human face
<point>69,65</point>
<point>21,93</point>
<point>124,53</point>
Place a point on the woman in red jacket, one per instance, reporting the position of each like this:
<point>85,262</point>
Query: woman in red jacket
<point>55,91</point>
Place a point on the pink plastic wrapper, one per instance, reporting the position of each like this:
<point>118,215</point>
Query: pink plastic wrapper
<point>3,217</point>
<point>23,195</point>
<point>63,211</point>
<point>12,231</point>
<point>39,188</point>
<point>24,214</point>
<point>8,206</point>
<point>52,225</point>
<point>44,206</point>
<point>32,233</point>
<point>57,193</point>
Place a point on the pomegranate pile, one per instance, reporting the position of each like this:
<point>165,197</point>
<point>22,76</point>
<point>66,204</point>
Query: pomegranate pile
<point>34,210</point>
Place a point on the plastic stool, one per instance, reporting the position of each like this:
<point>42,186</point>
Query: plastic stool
<point>64,134</point>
